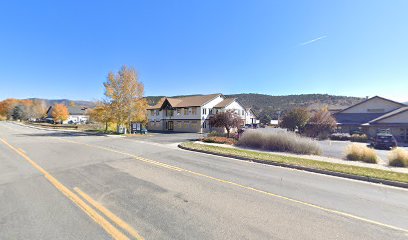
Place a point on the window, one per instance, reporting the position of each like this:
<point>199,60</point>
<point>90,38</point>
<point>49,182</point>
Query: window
<point>185,111</point>
<point>194,111</point>
<point>243,113</point>
<point>169,113</point>
<point>194,124</point>
<point>204,124</point>
<point>178,111</point>
<point>204,110</point>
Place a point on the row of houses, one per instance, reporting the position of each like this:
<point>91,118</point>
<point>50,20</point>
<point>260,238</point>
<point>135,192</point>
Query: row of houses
<point>192,114</point>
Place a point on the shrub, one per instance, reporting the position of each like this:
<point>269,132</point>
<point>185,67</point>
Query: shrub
<point>340,136</point>
<point>216,134</point>
<point>222,140</point>
<point>398,157</point>
<point>359,138</point>
<point>357,152</point>
<point>282,141</point>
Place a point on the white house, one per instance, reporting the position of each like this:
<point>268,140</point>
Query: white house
<point>77,115</point>
<point>192,114</point>
<point>250,117</point>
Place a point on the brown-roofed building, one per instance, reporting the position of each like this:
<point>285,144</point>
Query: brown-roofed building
<point>192,113</point>
<point>374,114</point>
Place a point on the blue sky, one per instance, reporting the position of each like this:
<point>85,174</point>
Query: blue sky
<point>65,49</point>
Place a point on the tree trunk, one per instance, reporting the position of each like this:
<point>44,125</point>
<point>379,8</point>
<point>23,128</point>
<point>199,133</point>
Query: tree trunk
<point>228,132</point>
<point>106,127</point>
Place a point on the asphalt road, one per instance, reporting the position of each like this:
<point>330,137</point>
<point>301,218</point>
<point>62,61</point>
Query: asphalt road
<point>58,185</point>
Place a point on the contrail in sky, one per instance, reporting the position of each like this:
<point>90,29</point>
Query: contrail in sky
<point>313,40</point>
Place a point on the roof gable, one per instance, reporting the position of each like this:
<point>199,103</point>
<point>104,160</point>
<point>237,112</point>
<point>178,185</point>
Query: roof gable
<point>224,103</point>
<point>391,115</point>
<point>185,102</point>
<point>373,105</point>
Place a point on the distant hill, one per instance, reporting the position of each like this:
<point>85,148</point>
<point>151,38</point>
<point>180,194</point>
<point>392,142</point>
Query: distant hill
<point>50,102</point>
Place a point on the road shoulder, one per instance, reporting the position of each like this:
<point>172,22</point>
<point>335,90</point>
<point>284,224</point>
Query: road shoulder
<point>395,179</point>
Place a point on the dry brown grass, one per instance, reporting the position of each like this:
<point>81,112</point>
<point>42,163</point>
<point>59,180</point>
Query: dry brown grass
<point>398,157</point>
<point>358,152</point>
<point>280,141</point>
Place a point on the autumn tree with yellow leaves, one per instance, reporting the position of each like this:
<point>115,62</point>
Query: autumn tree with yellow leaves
<point>27,109</point>
<point>60,113</point>
<point>124,93</point>
<point>102,113</point>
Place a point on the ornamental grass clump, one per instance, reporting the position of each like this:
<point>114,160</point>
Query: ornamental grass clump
<point>280,141</point>
<point>398,157</point>
<point>358,152</point>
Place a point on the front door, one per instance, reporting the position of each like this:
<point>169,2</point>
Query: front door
<point>170,125</point>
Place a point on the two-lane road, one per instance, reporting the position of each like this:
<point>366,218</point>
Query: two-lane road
<point>58,185</point>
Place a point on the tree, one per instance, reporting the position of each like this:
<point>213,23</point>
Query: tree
<point>18,112</point>
<point>295,119</point>
<point>38,109</point>
<point>321,124</point>
<point>227,120</point>
<point>60,113</point>
<point>102,113</point>
<point>7,107</point>
<point>124,93</point>
<point>72,104</point>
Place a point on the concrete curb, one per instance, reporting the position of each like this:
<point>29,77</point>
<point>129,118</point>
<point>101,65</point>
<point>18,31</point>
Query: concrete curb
<point>320,171</point>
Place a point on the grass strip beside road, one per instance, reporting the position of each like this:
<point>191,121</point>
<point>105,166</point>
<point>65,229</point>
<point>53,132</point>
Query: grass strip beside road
<point>295,161</point>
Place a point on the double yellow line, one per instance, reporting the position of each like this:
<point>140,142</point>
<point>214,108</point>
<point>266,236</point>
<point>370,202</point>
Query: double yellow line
<point>344,214</point>
<point>99,219</point>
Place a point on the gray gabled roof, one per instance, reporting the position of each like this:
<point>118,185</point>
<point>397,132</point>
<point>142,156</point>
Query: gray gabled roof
<point>390,114</point>
<point>72,110</point>
<point>76,110</point>
<point>355,118</point>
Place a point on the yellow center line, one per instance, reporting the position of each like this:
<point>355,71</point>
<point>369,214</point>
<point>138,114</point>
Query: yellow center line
<point>110,215</point>
<point>109,228</point>
<point>250,188</point>
<point>21,150</point>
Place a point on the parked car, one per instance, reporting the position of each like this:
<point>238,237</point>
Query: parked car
<point>384,141</point>
<point>356,132</point>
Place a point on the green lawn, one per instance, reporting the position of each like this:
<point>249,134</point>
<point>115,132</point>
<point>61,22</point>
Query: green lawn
<point>267,157</point>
